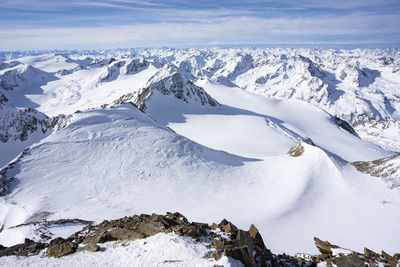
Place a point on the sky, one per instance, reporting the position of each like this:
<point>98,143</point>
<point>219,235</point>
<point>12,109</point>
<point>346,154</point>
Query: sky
<point>101,24</point>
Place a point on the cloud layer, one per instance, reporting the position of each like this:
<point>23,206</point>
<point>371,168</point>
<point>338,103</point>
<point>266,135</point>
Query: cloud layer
<point>44,24</point>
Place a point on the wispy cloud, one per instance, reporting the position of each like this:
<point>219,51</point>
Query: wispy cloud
<point>132,23</point>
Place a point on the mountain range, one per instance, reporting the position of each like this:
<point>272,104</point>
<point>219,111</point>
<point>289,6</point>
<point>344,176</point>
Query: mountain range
<point>300,142</point>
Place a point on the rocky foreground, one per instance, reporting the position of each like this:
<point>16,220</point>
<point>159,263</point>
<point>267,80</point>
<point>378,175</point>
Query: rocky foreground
<point>224,238</point>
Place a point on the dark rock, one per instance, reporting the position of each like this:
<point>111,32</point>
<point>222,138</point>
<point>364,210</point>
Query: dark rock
<point>59,247</point>
<point>344,125</point>
<point>29,248</point>
<point>217,255</point>
<point>255,235</point>
<point>369,254</point>
<point>396,257</point>
<point>308,140</point>
<point>386,256</point>
<point>242,253</point>
<point>324,246</point>
<point>351,260</point>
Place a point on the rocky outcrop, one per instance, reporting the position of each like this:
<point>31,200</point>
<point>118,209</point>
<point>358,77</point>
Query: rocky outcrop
<point>386,168</point>
<point>333,255</point>
<point>344,125</point>
<point>179,86</point>
<point>19,123</point>
<point>224,238</point>
<point>324,246</point>
<point>297,150</point>
<point>28,248</point>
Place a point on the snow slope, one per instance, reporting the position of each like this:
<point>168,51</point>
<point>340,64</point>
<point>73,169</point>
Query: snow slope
<point>212,142</point>
<point>150,168</point>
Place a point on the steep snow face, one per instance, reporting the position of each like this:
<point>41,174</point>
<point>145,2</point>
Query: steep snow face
<point>282,123</point>
<point>149,168</point>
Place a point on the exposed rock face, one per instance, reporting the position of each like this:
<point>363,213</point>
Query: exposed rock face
<point>177,85</point>
<point>386,168</point>
<point>136,65</point>
<point>18,123</point>
<point>111,71</point>
<point>28,248</point>
<point>142,226</point>
<point>296,150</point>
<point>344,125</point>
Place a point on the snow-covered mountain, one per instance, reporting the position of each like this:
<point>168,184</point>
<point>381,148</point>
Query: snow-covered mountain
<point>99,135</point>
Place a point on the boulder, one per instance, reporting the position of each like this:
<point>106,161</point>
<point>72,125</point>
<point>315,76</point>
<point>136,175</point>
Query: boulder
<point>59,247</point>
<point>324,246</point>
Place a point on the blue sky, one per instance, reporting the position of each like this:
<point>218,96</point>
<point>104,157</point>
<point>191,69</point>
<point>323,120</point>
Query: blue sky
<point>86,24</point>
